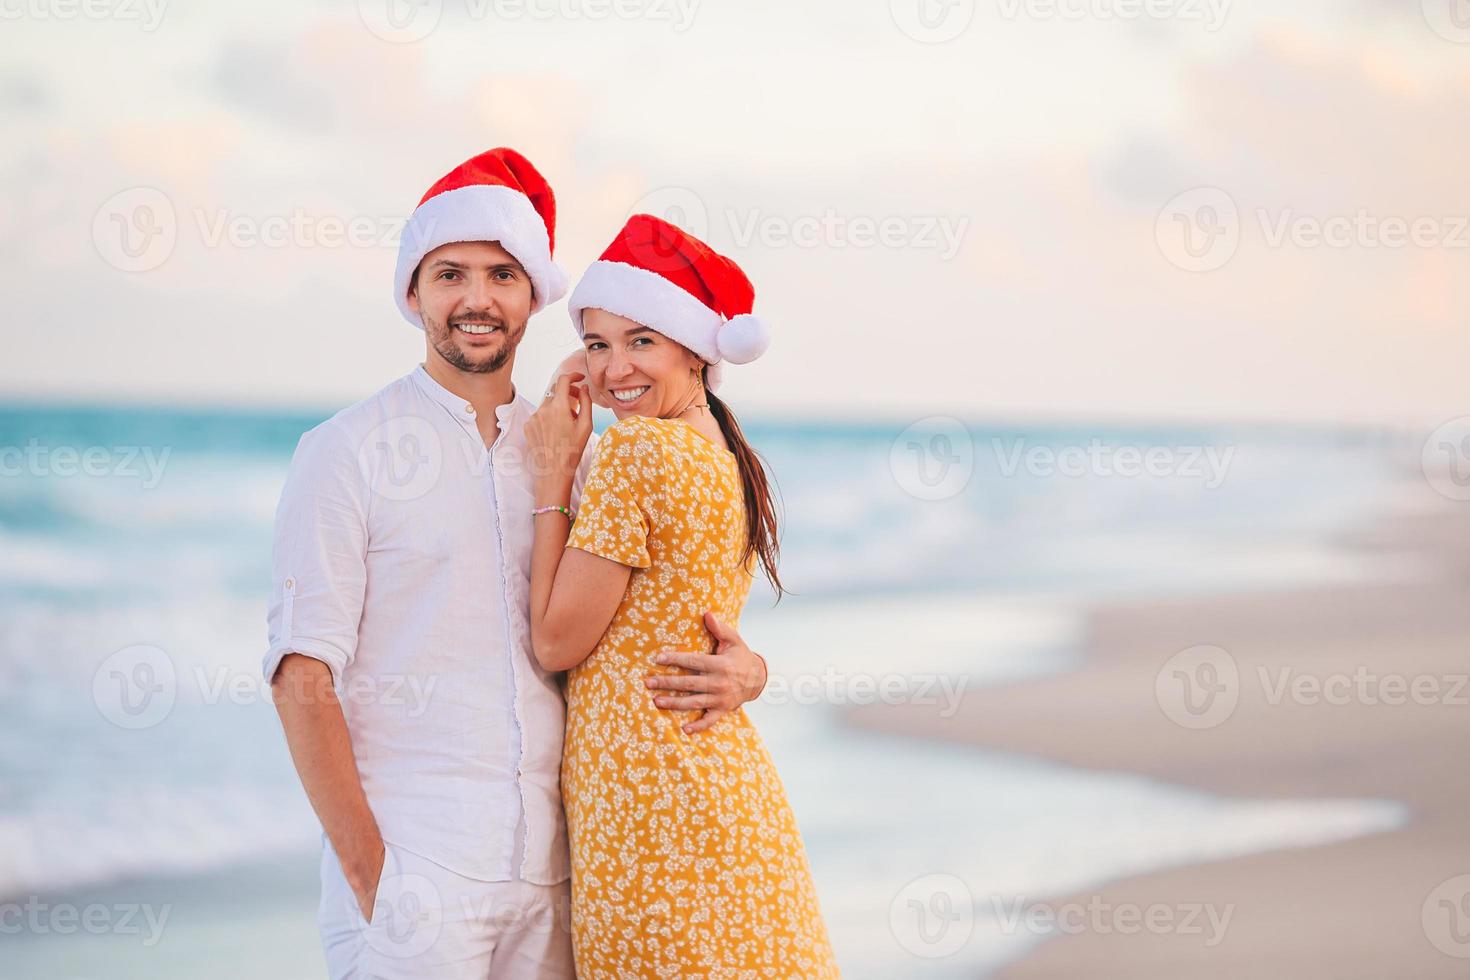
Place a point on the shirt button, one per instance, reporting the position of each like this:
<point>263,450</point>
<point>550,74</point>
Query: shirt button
<point>290,583</point>
<point>470,409</point>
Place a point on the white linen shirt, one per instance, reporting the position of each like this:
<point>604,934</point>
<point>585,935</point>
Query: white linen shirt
<point>402,561</point>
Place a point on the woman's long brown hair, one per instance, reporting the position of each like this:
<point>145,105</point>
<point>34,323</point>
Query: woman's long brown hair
<point>762,535</point>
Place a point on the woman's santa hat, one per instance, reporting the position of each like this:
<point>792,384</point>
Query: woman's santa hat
<point>494,197</point>
<point>664,278</point>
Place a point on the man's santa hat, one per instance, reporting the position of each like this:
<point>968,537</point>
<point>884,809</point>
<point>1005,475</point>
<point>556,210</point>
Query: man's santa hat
<point>494,197</point>
<point>666,279</point>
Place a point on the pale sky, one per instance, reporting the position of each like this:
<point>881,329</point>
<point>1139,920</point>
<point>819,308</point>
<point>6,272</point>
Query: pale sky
<point>988,224</point>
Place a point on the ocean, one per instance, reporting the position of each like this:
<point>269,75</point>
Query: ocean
<point>142,756</point>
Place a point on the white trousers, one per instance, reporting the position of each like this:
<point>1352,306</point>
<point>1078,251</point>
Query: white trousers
<point>429,922</point>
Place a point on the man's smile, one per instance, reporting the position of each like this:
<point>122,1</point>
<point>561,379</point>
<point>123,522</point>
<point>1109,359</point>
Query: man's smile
<point>478,329</point>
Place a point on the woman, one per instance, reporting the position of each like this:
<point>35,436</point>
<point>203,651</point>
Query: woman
<point>686,858</point>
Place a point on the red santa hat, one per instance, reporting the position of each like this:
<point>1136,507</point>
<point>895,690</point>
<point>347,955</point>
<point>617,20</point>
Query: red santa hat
<point>497,196</point>
<point>660,276</point>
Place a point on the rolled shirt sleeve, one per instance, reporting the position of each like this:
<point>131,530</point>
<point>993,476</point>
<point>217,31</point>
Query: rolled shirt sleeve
<point>319,556</point>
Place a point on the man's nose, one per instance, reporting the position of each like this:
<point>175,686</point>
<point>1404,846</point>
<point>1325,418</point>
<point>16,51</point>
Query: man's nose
<point>479,295</point>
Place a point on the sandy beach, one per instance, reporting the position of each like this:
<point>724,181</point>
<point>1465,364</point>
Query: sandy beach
<point>1342,692</point>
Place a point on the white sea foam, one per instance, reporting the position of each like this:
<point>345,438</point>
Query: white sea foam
<point>144,830</point>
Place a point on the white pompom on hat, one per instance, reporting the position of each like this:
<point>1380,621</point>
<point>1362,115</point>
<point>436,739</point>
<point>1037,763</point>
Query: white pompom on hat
<point>664,278</point>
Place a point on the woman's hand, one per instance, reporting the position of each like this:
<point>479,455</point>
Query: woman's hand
<point>556,437</point>
<point>576,363</point>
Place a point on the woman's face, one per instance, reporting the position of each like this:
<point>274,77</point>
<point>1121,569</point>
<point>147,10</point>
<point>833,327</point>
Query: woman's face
<point>635,369</point>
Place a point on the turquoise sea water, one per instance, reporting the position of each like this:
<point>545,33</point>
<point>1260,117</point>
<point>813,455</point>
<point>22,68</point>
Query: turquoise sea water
<point>949,550</point>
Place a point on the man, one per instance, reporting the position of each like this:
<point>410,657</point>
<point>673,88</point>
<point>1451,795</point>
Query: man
<point>425,734</point>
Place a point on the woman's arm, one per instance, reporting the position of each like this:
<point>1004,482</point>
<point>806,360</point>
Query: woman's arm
<point>574,594</point>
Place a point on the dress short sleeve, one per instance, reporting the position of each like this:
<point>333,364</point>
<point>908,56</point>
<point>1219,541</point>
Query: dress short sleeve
<point>619,500</point>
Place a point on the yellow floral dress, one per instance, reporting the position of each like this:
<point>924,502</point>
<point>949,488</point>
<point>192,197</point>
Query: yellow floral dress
<point>686,858</point>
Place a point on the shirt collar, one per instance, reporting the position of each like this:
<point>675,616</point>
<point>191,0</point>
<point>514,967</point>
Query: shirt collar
<point>459,407</point>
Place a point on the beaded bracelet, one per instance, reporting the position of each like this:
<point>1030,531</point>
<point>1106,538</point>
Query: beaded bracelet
<point>553,507</point>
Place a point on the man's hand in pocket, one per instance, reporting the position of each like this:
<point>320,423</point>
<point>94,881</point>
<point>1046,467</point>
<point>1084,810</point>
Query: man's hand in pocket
<point>362,878</point>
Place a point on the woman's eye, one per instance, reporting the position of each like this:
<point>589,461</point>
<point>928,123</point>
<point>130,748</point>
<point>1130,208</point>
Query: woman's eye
<point>595,345</point>
<point>642,340</point>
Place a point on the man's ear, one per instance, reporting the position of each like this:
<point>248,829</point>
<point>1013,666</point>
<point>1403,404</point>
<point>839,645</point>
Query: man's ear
<point>413,293</point>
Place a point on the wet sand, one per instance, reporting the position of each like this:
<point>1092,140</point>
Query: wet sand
<point>1348,691</point>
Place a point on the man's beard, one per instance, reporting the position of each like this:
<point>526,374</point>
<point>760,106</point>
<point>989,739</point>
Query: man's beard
<point>442,337</point>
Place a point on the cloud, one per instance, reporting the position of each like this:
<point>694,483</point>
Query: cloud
<point>266,78</point>
<point>20,92</point>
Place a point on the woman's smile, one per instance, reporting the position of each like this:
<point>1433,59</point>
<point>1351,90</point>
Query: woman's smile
<point>626,397</point>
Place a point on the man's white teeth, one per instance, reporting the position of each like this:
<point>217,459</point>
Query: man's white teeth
<point>475,327</point>
<point>629,394</point>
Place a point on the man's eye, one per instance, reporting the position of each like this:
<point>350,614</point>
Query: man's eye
<point>448,275</point>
